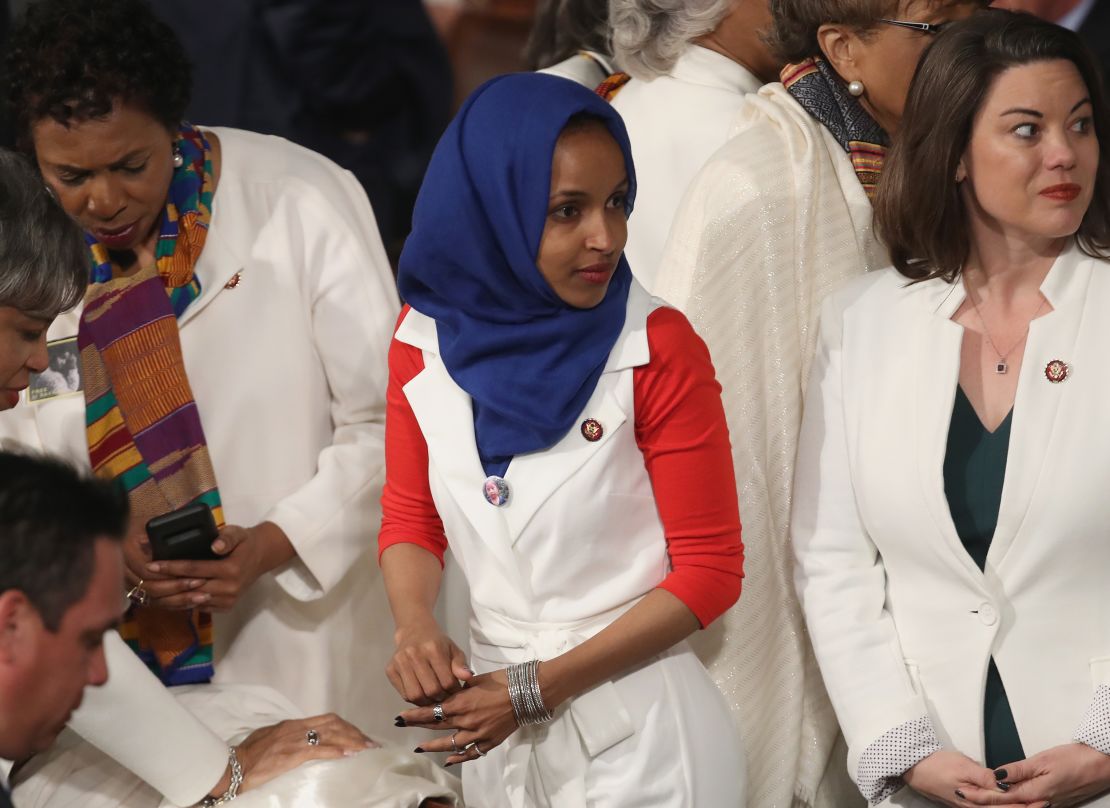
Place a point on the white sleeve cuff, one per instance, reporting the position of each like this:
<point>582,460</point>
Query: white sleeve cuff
<point>1094,730</point>
<point>886,759</point>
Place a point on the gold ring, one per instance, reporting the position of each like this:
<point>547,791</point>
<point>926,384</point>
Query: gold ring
<point>137,594</point>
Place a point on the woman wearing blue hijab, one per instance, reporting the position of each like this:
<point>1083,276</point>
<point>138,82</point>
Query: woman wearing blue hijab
<point>562,431</point>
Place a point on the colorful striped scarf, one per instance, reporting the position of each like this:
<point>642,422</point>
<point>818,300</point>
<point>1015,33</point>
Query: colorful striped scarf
<point>141,421</point>
<point>821,93</point>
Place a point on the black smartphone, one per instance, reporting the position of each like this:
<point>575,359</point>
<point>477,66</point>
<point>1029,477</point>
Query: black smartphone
<point>183,535</point>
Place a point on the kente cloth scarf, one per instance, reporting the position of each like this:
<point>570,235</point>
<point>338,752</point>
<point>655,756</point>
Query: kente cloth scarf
<point>821,93</point>
<point>529,361</point>
<point>141,422</point>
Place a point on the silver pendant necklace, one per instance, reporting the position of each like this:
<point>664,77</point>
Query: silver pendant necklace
<point>1002,366</point>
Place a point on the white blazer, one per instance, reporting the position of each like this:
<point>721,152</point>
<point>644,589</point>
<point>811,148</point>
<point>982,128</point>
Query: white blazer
<point>902,620</point>
<point>288,369</point>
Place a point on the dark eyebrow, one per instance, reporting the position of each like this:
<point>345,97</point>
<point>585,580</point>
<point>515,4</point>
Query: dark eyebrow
<point>1020,111</point>
<point>127,158</point>
<point>569,195</point>
<point>1081,103</point>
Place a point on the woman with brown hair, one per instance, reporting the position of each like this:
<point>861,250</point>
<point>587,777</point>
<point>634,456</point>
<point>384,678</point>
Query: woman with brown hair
<point>950,508</point>
<point>777,219</point>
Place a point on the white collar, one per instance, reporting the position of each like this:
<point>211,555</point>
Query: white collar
<point>699,65</point>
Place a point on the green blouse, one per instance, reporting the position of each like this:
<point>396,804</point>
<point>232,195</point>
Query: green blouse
<point>974,470</point>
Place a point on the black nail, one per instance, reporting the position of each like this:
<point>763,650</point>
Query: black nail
<point>999,774</point>
<point>448,765</point>
<point>418,750</point>
<point>399,722</point>
<point>960,794</point>
<point>1003,786</point>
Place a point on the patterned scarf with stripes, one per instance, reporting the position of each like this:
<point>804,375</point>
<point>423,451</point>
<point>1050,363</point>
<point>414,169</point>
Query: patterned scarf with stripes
<point>141,421</point>
<point>822,94</point>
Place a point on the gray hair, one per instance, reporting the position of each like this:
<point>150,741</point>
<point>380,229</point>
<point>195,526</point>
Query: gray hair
<point>44,265</point>
<point>650,35</point>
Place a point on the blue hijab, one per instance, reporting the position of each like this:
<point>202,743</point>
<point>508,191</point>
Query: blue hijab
<point>529,361</point>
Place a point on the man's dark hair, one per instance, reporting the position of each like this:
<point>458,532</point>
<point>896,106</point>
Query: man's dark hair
<point>50,519</point>
<point>72,60</point>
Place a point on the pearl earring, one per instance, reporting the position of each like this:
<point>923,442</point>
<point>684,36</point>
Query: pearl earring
<point>855,88</point>
<point>178,158</point>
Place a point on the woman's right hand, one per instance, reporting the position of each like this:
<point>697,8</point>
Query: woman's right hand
<point>271,751</point>
<point>952,779</point>
<point>427,666</point>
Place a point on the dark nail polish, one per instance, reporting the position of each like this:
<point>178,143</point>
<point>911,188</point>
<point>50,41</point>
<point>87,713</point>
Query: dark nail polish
<point>960,794</point>
<point>999,774</point>
<point>1003,786</point>
<point>418,750</point>
<point>399,722</point>
<point>448,765</point>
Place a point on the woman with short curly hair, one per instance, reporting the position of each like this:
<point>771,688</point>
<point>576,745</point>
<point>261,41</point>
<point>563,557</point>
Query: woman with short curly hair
<point>691,64</point>
<point>232,347</point>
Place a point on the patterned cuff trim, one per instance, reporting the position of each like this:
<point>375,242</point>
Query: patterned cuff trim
<point>883,763</point>
<point>1094,730</point>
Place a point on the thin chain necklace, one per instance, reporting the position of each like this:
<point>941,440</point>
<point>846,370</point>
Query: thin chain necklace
<point>1002,366</point>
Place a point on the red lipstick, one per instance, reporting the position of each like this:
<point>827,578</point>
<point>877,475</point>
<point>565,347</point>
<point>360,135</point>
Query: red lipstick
<point>1065,192</point>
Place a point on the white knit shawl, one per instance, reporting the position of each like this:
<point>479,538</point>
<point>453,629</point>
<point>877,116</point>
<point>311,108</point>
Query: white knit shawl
<point>774,222</point>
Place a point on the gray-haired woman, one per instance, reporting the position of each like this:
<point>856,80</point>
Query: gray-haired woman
<point>691,63</point>
<point>43,272</point>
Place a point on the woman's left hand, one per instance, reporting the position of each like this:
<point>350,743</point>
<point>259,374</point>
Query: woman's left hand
<point>247,554</point>
<point>1060,776</point>
<point>481,714</point>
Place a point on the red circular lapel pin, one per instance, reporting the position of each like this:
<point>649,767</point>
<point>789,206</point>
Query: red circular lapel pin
<point>592,430</point>
<point>1056,371</point>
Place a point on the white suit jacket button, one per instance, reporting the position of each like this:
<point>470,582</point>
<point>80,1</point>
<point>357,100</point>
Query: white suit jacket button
<point>988,614</point>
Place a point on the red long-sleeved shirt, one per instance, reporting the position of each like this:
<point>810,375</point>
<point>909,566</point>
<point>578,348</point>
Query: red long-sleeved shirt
<point>681,431</point>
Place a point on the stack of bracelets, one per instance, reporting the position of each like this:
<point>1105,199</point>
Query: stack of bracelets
<point>524,693</point>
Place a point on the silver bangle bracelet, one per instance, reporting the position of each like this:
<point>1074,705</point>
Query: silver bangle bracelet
<point>232,787</point>
<point>525,695</point>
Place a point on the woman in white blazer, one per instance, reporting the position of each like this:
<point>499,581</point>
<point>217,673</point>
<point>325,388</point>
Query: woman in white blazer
<point>949,507</point>
<point>561,432</point>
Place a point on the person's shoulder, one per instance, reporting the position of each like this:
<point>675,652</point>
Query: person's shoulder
<point>671,338</point>
<point>258,160</point>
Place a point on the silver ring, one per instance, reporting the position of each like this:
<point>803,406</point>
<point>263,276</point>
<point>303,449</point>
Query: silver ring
<point>453,745</point>
<point>313,737</point>
<point>474,745</point>
<point>437,713</point>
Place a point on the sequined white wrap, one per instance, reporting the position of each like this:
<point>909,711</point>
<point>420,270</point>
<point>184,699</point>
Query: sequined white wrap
<point>774,222</point>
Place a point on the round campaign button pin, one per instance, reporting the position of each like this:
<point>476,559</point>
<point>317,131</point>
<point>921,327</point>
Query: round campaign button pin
<point>496,491</point>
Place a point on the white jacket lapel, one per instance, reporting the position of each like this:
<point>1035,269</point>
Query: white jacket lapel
<point>936,368</point>
<point>1038,401</point>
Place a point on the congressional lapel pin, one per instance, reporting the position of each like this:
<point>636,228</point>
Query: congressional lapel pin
<point>236,279</point>
<point>1056,371</point>
<point>592,430</point>
<point>496,491</point>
